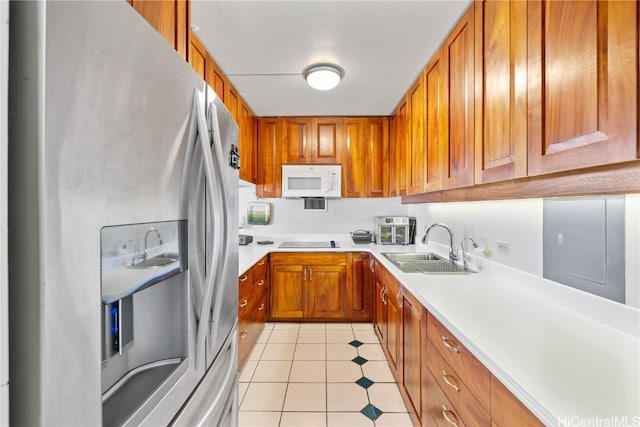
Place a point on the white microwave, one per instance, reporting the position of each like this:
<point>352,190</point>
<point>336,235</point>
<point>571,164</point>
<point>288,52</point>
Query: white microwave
<point>311,181</point>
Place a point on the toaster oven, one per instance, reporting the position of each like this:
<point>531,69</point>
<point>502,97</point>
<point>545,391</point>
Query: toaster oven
<point>396,230</point>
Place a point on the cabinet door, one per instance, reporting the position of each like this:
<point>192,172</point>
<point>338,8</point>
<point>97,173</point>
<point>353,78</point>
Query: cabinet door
<point>287,295</point>
<point>296,139</point>
<point>171,18</point>
<point>358,287</point>
<point>458,58</point>
<point>411,343</point>
<point>231,100</point>
<point>380,312</point>
<point>377,147</point>
<point>354,169</point>
<point>417,135</point>
<point>198,57</point>
<point>217,81</point>
<point>501,90</point>
<point>246,143</point>
<point>268,159</point>
<point>326,285</point>
<point>393,173</point>
<point>394,333</point>
<point>402,148</point>
<point>506,409</point>
<point>435,130</point>
<point>325,140</point>
<point>583,84</point>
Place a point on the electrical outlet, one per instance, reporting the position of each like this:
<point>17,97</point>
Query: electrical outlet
<point>503,247</point>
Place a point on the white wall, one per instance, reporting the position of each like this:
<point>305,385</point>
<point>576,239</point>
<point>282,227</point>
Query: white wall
<point>342,215</point>
<point>4,313</point>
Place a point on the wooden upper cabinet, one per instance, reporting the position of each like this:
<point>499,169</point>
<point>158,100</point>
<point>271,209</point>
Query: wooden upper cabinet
<point>171,18</point>
<point>501,90</point>
<point>217,81</point>
<point>393,173</point>
<point>582,84</point>
<point>246,142</point>
<point>231,100</point>
<point>416,136</point>
<point>377,145</point>
<point>198,57</point>
<point>401,147</point>
<point>354,165</point>
<point>325,140</point>
<point>296,140</point>
<point>435,130</point>
<point>269,174</point>
<point>458,117</point>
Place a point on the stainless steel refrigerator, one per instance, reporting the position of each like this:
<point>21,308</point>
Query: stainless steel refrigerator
<point>122,225</point>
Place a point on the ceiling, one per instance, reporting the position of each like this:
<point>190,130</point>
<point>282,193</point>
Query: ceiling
<point>263,47</point>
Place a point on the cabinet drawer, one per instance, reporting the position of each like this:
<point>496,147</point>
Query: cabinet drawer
<point>456,391</point>
<point>506,409</point>
<point>303,258</point>
<point>260,269</point>
<point>245,283</point>
<point>438,410</point>
<point>468,368</point>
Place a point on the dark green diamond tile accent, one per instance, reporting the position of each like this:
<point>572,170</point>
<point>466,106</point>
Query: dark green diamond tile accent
<point>359,360</point>
<point>355,343</point>
<point>364,382</point>
<point>371,412</point>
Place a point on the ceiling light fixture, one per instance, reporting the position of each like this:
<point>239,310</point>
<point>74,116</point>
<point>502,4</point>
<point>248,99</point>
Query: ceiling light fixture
<point>323,76</point>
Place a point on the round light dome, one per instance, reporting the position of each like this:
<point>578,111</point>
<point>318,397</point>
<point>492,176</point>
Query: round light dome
<point>323,76</point>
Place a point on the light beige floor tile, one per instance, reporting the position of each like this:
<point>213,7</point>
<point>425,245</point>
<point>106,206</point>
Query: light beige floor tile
<point>284,336</point>
<point>242,389</point>
<point>349,419</point>
<point>306,397</point>
<point>312,337</point>
<point>313,326</point>
<point>378,371</point>
<point>394,420</point>
<point>386,397</point>
<point>281,326</point>
<point>345,397</point>
<point>269,326</point>
<point>371,352</point>
<point>256,353</point>
<point>303,419</point>
<point>338,326</point>
<point>272,371</point>
<point>339,336</point>
<point>264,397</point>
<point>310,352</point>
<point>308,371</point>
<point>258,419</point>
<point>341,352</point>
<point>247,371</point>
<point>278,352</point>
<point>264,336</point>
<point>366,336</point>
<point>362,326</point>
<point>342,371</point>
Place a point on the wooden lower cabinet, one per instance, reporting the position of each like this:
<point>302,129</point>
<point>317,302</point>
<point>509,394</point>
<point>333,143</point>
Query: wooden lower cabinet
<point>411,351</point>
<point>307,286</point>
<point>359,286</point>
<point>506,409</point>
<point>252,308</point>
<point>389,313</point>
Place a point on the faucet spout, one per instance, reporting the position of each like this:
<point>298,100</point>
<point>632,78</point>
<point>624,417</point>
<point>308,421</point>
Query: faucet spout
<point>146,236</point>
<point>453,256</point>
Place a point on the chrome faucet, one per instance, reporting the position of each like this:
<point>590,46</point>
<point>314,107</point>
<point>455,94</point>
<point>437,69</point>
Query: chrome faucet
<point>135,249</point>
<point>452,250</point>
<point>146,236</point>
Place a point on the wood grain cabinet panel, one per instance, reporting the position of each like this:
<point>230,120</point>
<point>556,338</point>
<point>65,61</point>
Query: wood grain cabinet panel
<point>582,84</point>
<point>417,137</point>
<point>377,145</point>
<point>393,170</point>
<point>433,177</point>
<point>501,90</point>
<point>326,140</point>
<point>326,286</point>
<point>354,167</point>
<point>359,286</point>
<point>269,174</point>
<point>296,137</point>
<point>438,411</point>
<point>287,298</point>
<point>411,343</point>
<point>402,147</point>
<point>171,18</point>
<point>231,100</point>
<point>458,117</point>
<point>246,142</point>
<point>506,409</point>
<point>198,57</point>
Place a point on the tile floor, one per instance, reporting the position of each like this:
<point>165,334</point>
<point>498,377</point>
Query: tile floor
<point>319,375</point>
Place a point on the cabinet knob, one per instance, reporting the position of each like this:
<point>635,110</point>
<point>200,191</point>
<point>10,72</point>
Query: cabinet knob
<point>261,307</point>
<point>261,282</point>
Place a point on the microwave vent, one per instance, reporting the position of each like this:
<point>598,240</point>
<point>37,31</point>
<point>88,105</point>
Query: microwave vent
<point>315,204</point>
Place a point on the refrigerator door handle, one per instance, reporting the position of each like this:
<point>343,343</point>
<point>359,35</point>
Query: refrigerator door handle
<point>209,168</point>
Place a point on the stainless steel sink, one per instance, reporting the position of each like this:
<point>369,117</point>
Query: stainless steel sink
<point>160,260</point>
<point>424,262</point>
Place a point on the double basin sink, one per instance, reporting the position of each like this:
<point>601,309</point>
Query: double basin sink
<point>424,262</point>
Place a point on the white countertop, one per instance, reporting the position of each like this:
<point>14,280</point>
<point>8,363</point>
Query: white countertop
<point>570,357</point>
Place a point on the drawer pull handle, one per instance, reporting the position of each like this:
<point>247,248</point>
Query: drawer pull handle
<point>446,411</point>
<point>446,343</point>
<point>261,307</point>
<point>244,303</point>
<point>261,263</point>
<point>244,334</point>
<point>445,377</point>
<point>261,282</point>
<point>244,278</point>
